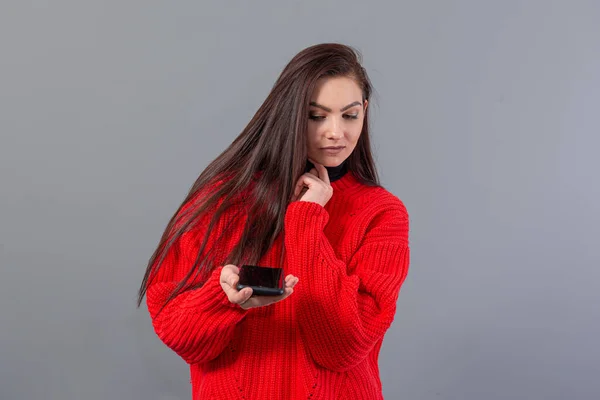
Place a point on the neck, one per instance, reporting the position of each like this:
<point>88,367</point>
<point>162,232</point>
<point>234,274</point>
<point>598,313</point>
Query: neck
<point>335,173</point>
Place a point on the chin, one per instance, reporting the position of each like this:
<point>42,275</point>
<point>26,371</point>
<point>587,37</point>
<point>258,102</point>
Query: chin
<point>331,161</point>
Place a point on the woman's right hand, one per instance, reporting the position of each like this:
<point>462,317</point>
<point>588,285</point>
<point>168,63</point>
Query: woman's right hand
<point>229,279</point>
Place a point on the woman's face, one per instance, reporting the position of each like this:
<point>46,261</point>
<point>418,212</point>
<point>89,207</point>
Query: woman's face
<point>336,117</point>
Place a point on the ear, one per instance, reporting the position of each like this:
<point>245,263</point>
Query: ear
<point>365,105</point>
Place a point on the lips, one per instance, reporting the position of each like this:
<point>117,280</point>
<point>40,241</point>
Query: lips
<point>333,147</point>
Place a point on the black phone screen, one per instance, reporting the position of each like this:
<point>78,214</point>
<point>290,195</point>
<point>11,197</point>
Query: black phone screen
<point>263,280</point>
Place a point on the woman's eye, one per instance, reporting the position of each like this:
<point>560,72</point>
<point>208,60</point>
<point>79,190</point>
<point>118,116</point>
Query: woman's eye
<point>322,117</point>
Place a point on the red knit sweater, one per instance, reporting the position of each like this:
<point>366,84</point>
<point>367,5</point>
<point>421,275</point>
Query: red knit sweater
<point>323,341</point>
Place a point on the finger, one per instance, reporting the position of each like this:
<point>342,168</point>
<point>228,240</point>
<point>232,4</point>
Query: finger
<point>229,275</point>
<point>234,295</point>
<point>233,280</point>
<point>323,174</point>
<point>314,172</point>
<point>241,296</point>
<point>298,188</point>
<point>231,268</point>
<point>305,180</point>
<point>299,192</point>
<point>299,185</point>
<point>291,281</point>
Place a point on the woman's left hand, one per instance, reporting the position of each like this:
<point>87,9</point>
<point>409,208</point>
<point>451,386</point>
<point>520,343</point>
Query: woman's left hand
<point>314,186</point>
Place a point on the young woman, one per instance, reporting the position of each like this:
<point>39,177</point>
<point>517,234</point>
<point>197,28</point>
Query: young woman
<point>297,189</point>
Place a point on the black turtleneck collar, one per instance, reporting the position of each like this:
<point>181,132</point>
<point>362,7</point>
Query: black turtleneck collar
<point>335,173</point>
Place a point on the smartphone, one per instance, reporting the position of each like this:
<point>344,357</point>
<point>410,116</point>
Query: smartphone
<point>264,281</point>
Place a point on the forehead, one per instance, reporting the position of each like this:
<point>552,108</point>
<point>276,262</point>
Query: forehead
<point>336,91</point>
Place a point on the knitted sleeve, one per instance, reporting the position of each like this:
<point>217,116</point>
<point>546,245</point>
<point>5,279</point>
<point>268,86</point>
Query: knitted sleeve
<point>343,315</point>
<point>197,324</point>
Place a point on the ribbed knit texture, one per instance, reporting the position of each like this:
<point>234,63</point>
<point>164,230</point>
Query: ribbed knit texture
<point>323,341</point>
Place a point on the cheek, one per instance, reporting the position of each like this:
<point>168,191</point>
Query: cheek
<point>353,133</point>
<point>312,135</point>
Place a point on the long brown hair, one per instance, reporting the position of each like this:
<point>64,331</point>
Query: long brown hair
<point>270,153</point>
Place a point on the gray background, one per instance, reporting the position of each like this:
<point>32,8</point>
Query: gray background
<point>486,125</point>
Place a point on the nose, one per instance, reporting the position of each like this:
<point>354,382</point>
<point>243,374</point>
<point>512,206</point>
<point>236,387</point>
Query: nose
<point>334,130</point>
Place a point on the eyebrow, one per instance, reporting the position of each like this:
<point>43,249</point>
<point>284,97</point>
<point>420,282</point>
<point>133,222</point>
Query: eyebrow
<point>315,104</point>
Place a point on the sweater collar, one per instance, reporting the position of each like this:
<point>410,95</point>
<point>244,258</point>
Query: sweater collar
<point>335,173</point>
